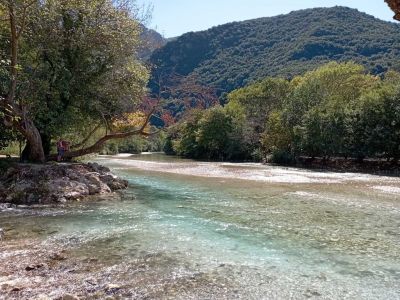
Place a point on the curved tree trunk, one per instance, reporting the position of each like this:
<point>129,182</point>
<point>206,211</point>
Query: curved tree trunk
<point>34,148</point>
<point>16,112</point>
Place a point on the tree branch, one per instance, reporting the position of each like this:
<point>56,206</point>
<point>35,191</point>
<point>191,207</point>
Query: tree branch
<point>107,137</point>
<point>22,26</point>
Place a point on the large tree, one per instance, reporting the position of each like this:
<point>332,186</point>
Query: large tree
<point>72,70</point>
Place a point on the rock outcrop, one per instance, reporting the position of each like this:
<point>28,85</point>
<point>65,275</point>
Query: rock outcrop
<point>30,184</point>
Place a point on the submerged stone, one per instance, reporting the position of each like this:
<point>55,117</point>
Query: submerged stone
<point>69,297</point>
<point>33,267</point>
<point>57,256</point>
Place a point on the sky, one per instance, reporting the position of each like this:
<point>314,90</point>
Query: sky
<point>172,18</point>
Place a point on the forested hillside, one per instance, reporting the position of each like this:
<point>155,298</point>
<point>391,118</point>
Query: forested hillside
<point>235,54</point>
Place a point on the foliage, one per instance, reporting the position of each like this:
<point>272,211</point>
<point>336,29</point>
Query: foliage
<point>184,143</point>
<point>335,110</point>
<point>276,136</point>
<point>212,135</point>
<point>203,134</point>
<point>317,106</point>
<point>77,66</point>
<point>378,123</point>
<point>6,136</point>
<point>129,121</point>
<point>250,107</point>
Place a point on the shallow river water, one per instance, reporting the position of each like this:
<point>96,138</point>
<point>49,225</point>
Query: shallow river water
<point>199,230</point>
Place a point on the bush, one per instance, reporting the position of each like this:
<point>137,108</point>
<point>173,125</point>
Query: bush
<point>282,157</point>
<point>110,149</point>
<point>169,147</point>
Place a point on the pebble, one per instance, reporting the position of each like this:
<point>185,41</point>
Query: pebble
<point>112,287</point>
<point>7,206</point>
<point>69,297</point>
<point>57,256</point>
<point>33,267</point>
<point>14,285</point>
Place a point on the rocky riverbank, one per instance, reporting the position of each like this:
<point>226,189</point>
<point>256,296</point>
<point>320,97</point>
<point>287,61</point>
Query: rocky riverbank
<point>30,184</point>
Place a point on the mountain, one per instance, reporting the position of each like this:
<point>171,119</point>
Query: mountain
<point>151,40</point>
<point>230,56</point>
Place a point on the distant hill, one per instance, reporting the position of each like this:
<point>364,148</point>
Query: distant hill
<point>151,40</point>
<point>232,55</point>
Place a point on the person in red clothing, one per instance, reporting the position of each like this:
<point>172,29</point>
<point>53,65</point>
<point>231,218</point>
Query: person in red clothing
<point>60,149</point>
<point>65,145</point>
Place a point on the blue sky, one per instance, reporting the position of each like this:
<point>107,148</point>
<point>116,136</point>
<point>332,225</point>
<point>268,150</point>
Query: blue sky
<point>175,17</point>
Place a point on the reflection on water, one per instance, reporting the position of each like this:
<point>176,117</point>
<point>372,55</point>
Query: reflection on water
<point>174,235</point>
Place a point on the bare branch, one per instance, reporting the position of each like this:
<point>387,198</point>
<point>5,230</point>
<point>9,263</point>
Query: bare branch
<point>106,124</point>
<point>22,26</point>
<point>23,22</point>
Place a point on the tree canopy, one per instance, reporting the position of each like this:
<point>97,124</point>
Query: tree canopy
<point>337,110</point>
<point>73,68</point>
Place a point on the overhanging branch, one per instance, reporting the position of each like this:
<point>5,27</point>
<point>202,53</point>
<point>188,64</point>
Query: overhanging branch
<point>95,147</point>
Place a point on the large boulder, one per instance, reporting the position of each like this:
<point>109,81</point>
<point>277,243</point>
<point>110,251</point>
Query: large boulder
<point>53,183</point>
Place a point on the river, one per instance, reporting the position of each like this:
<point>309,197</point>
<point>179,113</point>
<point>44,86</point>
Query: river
<point>206,230</point>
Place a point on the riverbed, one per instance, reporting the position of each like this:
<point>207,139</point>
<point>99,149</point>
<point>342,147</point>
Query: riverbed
<point>208,230</point>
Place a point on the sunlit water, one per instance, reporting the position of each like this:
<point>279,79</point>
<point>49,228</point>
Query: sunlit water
<point>192,230</point>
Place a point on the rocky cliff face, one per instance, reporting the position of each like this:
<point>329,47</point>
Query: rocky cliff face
<point>56,183</point>
<point>395,6</point>
<point>151,40</point>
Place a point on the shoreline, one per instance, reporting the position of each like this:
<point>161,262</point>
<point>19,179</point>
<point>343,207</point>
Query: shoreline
<point>337,165</point>
<point>250,172</point>
<point>340,165</point>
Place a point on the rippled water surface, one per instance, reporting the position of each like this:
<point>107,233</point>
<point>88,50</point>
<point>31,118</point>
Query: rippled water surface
<point>192,230</point>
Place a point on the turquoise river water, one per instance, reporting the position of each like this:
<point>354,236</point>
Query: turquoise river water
<point>205,230</point>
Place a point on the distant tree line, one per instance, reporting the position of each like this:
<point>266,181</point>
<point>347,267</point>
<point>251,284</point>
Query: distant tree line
<point>337,110</point>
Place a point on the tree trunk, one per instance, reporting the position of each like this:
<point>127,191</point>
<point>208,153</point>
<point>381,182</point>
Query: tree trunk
<point>34,148</point>
<point>17,111</point>
<point>24,156</point>
<point>46,142</point>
